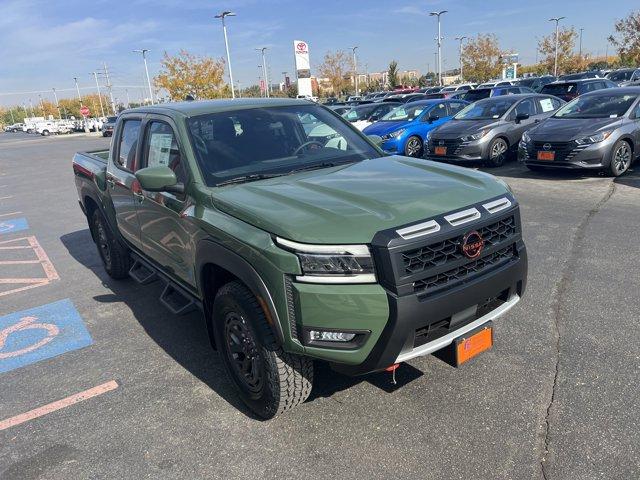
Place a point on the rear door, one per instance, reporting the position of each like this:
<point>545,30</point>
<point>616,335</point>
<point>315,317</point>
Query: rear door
<point>121,180</point>
<point>525,106</point>
<point>167,234</point>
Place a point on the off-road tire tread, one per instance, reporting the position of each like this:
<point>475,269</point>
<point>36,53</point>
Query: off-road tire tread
<point>120,258</point>
<point>289,375</point>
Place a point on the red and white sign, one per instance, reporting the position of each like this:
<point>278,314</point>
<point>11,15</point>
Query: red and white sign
<point>84,110</point>
<point>301,47</point>
<point>262,86</point>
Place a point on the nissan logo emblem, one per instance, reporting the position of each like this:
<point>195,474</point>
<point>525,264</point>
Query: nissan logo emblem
<point>472,244</point>
<point>441,142</point>
<point>547,146</point>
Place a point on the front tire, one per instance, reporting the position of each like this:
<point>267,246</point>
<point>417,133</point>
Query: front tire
<point>270,381</point>
<point>498,151</point>
<point>413,147</point>
<point>115,257</point>
<point>621,157</point>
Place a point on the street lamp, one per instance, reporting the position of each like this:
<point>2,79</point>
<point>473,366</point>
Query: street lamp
<point>355,69</point>
<point>461,39</point>
<point>581,43</point>
<point>555,63</point>
<point>95,76</point>
<point>146,69</point>
<point>437,14</point>
<point>222,16</point>
<point>55,96</point>
<point>264,70</point>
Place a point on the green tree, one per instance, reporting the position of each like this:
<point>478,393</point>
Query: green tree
<point>392,74</point>
<point>336,67</point>
<point>481,58</point>
<point>568,61</point>
<point>627,39</point>
<point>187,74</point>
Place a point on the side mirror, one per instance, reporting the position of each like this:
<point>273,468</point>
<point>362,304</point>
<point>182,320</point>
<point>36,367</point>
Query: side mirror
<point>374,118</point>
<point>159,179</point>
<point>433,118</point>
<point>521,116</point>
<point>375,139</point>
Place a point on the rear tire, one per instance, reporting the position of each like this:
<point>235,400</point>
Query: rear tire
<point>115,257</point>
<point>621,157</point>
<point>269,380</point>
<point>498,151</point>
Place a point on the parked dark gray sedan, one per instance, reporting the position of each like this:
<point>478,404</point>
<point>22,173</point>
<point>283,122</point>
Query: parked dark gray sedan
<point>488,130</point>
<point>598,130</point>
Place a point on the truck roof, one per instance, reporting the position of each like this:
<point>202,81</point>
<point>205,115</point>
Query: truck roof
<point>203,107</point>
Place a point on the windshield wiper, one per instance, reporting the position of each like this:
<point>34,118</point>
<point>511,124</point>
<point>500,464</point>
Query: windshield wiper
<point>248,178</point>
<point>314,166</point>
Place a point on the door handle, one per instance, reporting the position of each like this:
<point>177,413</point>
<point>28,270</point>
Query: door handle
<point>537,120</point>
<point>111,182</point>
<point>139,196</point>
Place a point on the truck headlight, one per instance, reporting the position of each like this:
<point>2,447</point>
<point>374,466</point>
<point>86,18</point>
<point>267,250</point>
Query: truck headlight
<point>596,138</point>
<point>475,136</point>
<point>332,263</point>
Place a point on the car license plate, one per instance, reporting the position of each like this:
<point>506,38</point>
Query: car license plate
<point>473,344</point>
<point>547,156</point>
<point>441,150</point>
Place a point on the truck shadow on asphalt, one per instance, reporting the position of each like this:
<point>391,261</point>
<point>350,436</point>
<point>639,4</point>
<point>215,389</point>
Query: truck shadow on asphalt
<point>185,338</point>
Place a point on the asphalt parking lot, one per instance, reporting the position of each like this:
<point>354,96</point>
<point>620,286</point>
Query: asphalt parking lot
<point>556,398</point>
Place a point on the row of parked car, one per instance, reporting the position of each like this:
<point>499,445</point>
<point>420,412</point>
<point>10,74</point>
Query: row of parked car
<point>598,129</point>
<point>50,126</point>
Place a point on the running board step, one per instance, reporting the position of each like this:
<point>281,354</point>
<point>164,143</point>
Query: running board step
<point>142,273</point>
<point>176,301</point>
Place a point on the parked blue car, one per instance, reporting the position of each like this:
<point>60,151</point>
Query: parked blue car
<point>404,129</point>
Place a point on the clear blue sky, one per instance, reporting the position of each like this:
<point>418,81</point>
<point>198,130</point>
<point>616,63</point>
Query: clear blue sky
<point>45,43</point>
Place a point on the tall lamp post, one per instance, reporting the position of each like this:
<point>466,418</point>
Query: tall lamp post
<point>580,54</point>
<point>264,71</point>
<point>437,14</point>
<point>461,39</point>
<point>222,16</point>
<point>95,76</point>
<point>146,70</point>
<point>355,69</point>
<point>555,62</point>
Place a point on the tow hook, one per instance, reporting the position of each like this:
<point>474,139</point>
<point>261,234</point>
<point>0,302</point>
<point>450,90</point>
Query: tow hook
<point>392,369</point>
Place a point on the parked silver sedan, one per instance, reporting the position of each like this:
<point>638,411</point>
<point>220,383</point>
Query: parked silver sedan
<point>490,129</point>
<point>598,130</point>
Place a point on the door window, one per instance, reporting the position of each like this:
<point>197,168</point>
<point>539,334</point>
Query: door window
<point>161,149</point>
<point>440,111</point>
<point>128,145</point>
<point>526,107</point>
<point>546,105</point>
<point>455,107</point>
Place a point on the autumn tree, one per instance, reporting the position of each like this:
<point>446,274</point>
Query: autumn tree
<point>336,67</point>
<point>627,39</point>
<point>481,58</point>
<point>187,74</point>
<point>392,74</point>
<point>568,61</point>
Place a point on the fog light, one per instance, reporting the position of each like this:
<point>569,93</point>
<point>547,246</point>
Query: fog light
<point>318,336</point>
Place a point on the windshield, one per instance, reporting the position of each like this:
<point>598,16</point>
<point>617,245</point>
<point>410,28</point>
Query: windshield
<point>620,76</point>
<point>404,112</point>
<point>529,82</point>
<point>272,141</point>
<point>485,109</point>
<point>560,88</point>
<point>478,94</point>
<point>597,106</point>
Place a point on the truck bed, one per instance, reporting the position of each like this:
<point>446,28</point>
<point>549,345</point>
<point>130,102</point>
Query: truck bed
<point>90,170</point>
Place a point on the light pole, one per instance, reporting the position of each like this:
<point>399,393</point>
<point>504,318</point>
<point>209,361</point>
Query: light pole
<point>355,69</point>
<point>555,63</point>
<point>580,54</point>
<point>75,79</point>
<point>55,96</point>
<point>95,76</point>
<point>461,39</point>
<point>222,16</point>
<point>41,105</point>
<point>264,71</point>
<point>146,69</point>
<point>437,14</point>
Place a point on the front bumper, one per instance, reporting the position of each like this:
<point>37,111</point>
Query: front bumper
<point>569,156</point>
<point>458,151</point>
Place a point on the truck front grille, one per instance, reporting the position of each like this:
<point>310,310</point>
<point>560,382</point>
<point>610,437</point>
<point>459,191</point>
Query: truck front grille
<point>443,252</point>
<point>480,265</point>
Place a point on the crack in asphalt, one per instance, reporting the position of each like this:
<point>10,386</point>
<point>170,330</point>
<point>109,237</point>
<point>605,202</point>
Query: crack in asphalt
<point>556,307</point>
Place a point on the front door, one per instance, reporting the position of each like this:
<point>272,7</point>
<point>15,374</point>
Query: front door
<point>166,232</point>
<point>121,180</point>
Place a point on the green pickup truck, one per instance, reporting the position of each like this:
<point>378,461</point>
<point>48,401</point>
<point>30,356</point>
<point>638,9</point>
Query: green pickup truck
<point>300,240</point>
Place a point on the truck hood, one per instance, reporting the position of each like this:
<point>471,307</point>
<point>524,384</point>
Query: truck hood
<point>458,128</point>
<point>566,129</point>
<point>349,204</point>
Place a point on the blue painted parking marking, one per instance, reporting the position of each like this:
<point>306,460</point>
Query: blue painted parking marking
<point>39,333</point>
<point>13,225</point>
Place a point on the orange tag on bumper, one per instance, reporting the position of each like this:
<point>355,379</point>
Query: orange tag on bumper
<point>441,150</point>
<point>549,156</point>
<point>467,348</point>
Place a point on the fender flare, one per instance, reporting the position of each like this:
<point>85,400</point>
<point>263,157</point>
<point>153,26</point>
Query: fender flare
<point>210,252</point>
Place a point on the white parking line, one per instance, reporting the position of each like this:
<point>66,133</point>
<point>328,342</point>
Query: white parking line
<point>9,214</point>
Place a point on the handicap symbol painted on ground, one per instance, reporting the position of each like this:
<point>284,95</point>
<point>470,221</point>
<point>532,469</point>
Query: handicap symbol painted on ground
<point>13,225</point>
<point>39,333</point>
